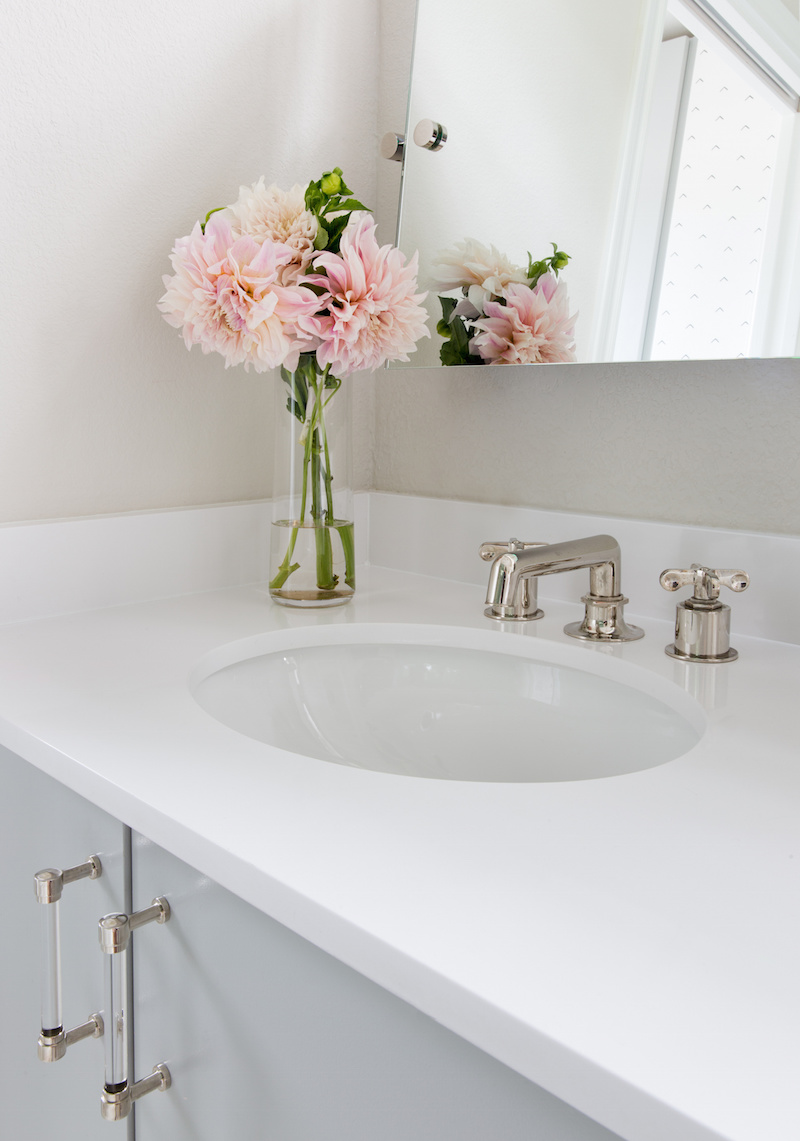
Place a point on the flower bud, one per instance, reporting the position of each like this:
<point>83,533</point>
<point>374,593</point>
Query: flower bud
<point>331,182</point>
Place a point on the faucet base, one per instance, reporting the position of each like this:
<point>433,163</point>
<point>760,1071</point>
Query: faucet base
<point>730,655</point>
<point>604,621</point>
<point>496,612</point>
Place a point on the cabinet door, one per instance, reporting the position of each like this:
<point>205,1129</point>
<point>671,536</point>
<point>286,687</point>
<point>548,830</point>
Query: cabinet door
<point>270,1039</point>
<point>43,824</point>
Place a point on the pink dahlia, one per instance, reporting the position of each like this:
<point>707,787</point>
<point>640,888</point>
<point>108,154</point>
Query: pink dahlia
<point>226,295</point>
<point>370,310</point>
<point>533,327</point>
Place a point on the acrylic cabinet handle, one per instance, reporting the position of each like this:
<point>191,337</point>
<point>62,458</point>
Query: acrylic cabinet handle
<point>49,884</point>
<point>119,1093</point>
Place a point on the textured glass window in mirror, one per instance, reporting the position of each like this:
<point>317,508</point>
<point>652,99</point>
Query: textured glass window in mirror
<point>714,258</point>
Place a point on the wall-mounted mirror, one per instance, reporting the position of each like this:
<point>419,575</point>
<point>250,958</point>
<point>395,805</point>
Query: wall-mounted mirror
<point>657,142</point>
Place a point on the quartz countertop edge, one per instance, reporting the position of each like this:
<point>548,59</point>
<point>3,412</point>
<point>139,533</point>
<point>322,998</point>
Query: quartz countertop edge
<point>630,943</point>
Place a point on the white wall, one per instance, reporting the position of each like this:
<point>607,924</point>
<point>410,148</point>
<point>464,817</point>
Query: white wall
<point>124,123</point>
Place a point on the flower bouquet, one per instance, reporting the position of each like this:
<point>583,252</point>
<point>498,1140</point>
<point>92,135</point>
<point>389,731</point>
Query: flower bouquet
<point>506,314</point>
<point>296,280</point>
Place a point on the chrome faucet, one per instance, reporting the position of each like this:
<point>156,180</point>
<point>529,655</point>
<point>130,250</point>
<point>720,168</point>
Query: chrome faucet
<point>509,598</point>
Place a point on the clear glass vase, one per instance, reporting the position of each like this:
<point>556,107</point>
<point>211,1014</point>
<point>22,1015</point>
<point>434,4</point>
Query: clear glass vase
<point>312,551</point>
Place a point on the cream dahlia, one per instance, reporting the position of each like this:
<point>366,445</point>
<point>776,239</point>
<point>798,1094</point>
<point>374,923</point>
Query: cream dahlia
<point>482,271</point>
<point>267,212</point>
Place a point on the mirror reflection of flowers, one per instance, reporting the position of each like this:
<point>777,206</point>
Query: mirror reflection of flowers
<point>296,279</point>
<point>506,314</point>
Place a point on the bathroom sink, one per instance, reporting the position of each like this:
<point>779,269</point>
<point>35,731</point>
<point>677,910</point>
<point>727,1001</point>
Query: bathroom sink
<point>447,703</point>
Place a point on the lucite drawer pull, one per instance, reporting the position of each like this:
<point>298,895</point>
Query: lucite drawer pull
<point>49,885</point>
<point>118,1093</point>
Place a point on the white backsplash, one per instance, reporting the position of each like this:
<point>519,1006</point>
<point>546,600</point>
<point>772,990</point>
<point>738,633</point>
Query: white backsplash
<point>71,565</point>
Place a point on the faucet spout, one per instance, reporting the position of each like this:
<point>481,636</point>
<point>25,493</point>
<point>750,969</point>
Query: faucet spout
<point>600,554</point>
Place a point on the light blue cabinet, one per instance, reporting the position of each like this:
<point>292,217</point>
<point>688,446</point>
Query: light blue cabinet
<point>267,1037</point>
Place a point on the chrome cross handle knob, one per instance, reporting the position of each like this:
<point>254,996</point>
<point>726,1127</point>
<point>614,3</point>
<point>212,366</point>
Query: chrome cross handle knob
<point>702,622</point>
<point>705,581</point>
<point>490,551</point>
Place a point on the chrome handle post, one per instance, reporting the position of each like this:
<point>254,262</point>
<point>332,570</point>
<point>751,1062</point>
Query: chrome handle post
<point>49,885</point>
<point>702,622</point>
<point>119,1093</point>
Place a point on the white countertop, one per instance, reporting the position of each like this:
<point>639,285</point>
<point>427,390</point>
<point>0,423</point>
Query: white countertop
<point>632,943</point>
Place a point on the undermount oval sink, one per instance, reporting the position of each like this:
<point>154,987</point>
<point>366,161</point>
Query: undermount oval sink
<point>447,703</point>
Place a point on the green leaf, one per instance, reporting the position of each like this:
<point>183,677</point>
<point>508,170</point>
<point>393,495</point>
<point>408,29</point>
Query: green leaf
<point>456,350</point>
<point>352,204</point>
<point>314,198</point>
<point>536,269</point>
<point>297,401</point>
<point>443,327</point>
<point>321,238</point>
<point>307,368</point>
<point>294,408</point>
<point>336,227</point>
<point>450,354</point>
<point>459,334</point>
<point>448,304</point>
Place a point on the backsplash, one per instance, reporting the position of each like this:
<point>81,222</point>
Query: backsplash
<point>65,566</point>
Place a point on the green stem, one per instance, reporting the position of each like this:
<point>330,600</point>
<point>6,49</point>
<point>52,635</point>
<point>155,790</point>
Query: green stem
<point>346,529</point>
<point>328,477</point>
<point>320,474</point>
<point>317,471</point>
<point>346,534</point>
<point>287,567</point>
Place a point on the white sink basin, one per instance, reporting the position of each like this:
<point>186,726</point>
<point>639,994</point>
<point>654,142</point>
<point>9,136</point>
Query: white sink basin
<point>447,703</point>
